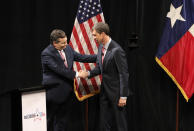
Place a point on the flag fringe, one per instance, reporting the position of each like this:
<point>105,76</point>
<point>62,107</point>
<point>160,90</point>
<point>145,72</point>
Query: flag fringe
<point>172,77</point>
<point>85,96</point>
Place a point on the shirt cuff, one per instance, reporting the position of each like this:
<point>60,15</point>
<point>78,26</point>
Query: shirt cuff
<point>76,75</point>
<point>88,73</point>
<point>123,98</point>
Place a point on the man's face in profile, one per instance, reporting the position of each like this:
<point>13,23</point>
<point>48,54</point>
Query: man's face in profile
<point>97,37</point>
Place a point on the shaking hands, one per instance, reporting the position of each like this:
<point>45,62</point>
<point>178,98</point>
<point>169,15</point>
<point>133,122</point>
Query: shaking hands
<point>83,74</point>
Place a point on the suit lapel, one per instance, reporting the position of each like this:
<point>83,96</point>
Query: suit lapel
<point>67,54</point>
<point>58,56</point>
<point>108,53</point>
<point>52,48</point>
<point>100,56</point>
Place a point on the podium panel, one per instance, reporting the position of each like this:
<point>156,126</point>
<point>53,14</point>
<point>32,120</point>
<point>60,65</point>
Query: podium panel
<point>34,111</point>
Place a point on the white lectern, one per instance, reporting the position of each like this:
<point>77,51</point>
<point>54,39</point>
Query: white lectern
<point>34,110</point>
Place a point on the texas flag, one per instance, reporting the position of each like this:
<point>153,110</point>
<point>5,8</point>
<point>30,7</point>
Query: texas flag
<point>176,49</point>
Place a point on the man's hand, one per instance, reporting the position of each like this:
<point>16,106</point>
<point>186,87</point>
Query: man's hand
<point>122,102</point>
<point>83,74</point>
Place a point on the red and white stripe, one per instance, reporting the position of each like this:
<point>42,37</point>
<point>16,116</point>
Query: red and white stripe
<point>83,42</point>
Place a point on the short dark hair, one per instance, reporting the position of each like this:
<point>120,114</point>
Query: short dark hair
<point>56,34</point>
<point>101,27</point>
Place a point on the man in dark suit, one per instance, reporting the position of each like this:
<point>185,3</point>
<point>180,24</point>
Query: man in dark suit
<point>112,64</point>
<point>57,63</point>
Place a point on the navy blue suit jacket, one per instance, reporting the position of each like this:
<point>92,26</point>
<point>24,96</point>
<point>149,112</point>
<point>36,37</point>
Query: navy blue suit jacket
<point>57,75</point>
<point>114,72</point>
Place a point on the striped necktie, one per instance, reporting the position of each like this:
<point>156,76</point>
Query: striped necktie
<point>103,53</point>
<point>63,58</point>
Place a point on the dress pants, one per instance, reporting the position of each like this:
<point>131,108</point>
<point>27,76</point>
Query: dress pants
<point>67,116</point>
<point>112,117</point>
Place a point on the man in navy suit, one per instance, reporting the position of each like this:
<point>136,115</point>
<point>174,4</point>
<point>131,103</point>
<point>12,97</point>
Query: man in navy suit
<point>57,63</point>
<point>112,64</point>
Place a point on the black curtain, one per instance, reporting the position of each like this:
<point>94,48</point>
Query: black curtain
<point>26,26</point>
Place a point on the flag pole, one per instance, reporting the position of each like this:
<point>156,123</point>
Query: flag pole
<point>137,15</point>
<point>86,115</point>
<point>177,110</point>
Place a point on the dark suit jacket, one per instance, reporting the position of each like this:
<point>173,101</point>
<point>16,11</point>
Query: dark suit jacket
<point>57,75</point>
<point>114,72</point>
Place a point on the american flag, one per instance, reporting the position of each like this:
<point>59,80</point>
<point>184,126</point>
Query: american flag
<point>89,13</point>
